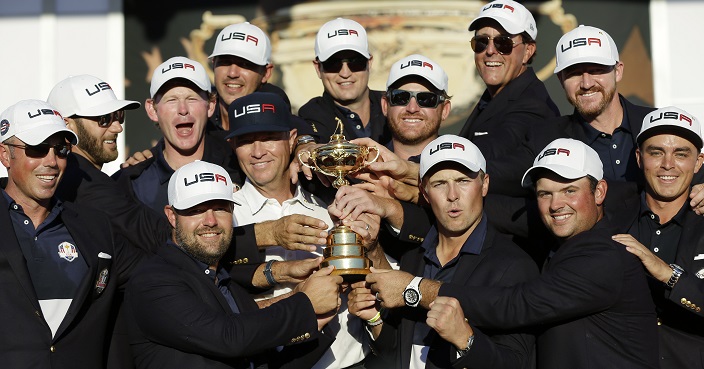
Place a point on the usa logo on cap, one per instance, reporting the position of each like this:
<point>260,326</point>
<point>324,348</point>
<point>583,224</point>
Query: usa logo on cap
<point>67,251</point>
<point>4,126</point>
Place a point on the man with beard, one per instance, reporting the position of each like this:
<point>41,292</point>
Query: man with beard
<point>185,311</point>
<point>415,105</point>
<point>602,118</point>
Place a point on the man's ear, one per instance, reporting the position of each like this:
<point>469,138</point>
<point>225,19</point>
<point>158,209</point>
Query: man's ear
<point>292,135</point>
<point>316,65</point>
<point>698,164</point>
<point>170,215</point>
<point>5,155</point>
<point>600,192</point>
<point>70,123</point>
<point>268,70</point>
<point>150,107</point>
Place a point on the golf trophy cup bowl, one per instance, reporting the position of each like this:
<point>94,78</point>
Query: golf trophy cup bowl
<point>338,159</point>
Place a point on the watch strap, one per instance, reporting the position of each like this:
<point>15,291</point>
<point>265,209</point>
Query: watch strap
<point>676,274</point>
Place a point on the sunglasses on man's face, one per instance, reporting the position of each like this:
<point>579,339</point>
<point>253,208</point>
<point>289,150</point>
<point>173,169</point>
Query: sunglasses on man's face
<point>334,65</point>
<point>504,44</point>
<point>424,99</point>
<point>39,151</point>
<point>104,121</point>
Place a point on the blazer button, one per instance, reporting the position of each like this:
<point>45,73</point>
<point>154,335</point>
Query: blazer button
<point>683,301</point>
<point>52,349</point>
<point>245,260</point>
<point>306,336</point>
<point>698,309</point>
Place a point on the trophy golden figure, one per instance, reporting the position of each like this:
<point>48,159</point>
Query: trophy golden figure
<point>337,159</point>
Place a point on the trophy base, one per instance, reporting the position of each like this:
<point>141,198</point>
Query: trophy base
<point>352,269</point>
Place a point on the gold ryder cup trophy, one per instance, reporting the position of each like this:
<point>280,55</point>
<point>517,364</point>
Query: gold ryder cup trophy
<point>338,159</point>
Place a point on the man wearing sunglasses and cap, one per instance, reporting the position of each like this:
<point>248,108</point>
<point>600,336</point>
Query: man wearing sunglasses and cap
<point>415,104</point>
<point>515,100</point>
<point>343,64</point>
<point>666,234</point>
<point>62,263</point>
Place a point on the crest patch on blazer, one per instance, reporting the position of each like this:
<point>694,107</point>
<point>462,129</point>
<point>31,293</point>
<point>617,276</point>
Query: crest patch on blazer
<point>67,251</point>
<point>700,274</point>
<point>102,281</point>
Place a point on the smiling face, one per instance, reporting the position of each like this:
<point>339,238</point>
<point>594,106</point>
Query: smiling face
<point>569,207</point>
<point>498,70</point>
<point>181,112</point>
<point>236,77</point>
<point>345,86</point>
<point>668,163</point>
<point>456,196</point>
<point>32,180</point>
<point>591,88</point>
<point>264,157</point>
<point>412,124</point>
<point>97,144</point>
<point>203,231</point>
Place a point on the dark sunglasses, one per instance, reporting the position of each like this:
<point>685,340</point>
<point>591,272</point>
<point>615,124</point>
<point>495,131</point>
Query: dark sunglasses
<point>39,151</point>
<point>504,44</point>
<point>424,99</point>
<point>334,65</point>
<point>104,121</point>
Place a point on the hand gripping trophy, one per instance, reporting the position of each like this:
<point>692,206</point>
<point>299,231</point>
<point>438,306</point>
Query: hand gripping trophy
<point>338,159</point>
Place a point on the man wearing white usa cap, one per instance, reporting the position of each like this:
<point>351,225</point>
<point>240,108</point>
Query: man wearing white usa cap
<point>92,110</point>
<point>666,235</point>
<point>592,300</point>
<point>415,104</point>
<point>62,263</point>
<point>420,329</point>
<point>241,61</point>
<point>186,312</point>
<point>343,63</point>
<point>180,105</point>
<point>515,100</point>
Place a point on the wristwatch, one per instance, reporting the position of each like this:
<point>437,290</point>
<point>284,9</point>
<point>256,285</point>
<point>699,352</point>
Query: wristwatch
<point>676,274</point>
<point>412,295</point>
<point>304,139</point>
<point>465,350</point>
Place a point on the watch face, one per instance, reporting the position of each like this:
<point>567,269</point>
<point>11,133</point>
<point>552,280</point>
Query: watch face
<point>411,296</point>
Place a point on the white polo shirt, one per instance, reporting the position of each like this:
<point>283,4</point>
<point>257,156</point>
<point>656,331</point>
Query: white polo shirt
<point>350,346</point>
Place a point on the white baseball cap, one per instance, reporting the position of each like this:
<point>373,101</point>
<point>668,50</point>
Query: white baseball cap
<point>33,121</point>
<point>341,34</point>
<point>244,40</point>
<point>568,158</point>
<point>86,96</point>
<point>512,16</point>
<point>418,65</point>
<point>671,120</point>
<point>585,44</point>
<point>179,67</point>
<point>198,182</point>
<point>451,148</point>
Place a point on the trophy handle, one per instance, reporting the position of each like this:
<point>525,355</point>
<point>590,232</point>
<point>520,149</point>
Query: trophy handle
<point>304,161</point>
<point>314,168</point>
<point>377,154</point>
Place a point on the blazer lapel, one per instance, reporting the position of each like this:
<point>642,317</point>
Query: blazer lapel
<point>10,250</point>
<point>86,244</point>
<point>691,244</point>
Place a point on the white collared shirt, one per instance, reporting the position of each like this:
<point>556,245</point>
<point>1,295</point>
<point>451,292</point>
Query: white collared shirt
<point>251,206</point>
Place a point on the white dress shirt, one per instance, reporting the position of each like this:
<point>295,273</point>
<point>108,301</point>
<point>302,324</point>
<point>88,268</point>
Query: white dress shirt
<point>251,206</point>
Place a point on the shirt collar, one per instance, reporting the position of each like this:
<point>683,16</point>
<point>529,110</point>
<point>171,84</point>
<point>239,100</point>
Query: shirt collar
<point>472,245</point>
<point>646,212</point>
<point>222,276</point>
<point>56,207</point>
<point>163,170</point>
<point>593,133</point>
<point>256,200</point>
